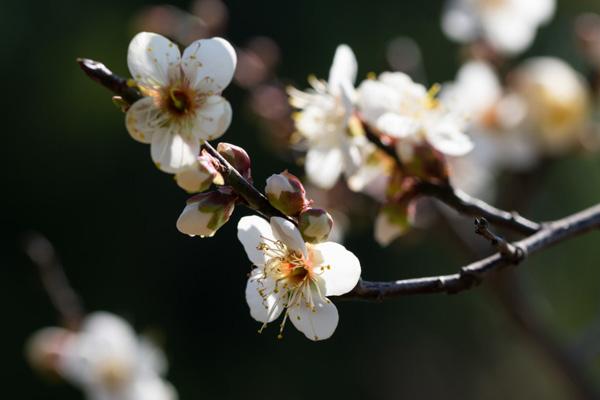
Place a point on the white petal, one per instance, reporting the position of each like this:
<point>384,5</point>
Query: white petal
<point>385,230</point>
<point>324,165</point>
<point>252,231</point>
<point>508,33</point>
<point>194,222</point>
<point>209,64</point>
<point>140,119</point>
<point>193,179</point>
<point>398,126</point>
<point>317,325</point>
<point>172,153</point>
<point>150,388</point>
<point>375,99</point>
<point>459,21</point>
<point>343,71</point>
<point>266,307</point>
<point>213,118</point>
<point>447,138</point>
<point>337,267</point>
<point>150,57</point>
<point>287,232</point>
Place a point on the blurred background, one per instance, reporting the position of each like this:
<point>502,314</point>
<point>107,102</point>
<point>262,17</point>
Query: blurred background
<point>71,172</point>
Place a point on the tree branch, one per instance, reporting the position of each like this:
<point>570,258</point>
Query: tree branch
<point>542,235</point>
<point>63,297</point>
<point>459,200</point>
<point>473,274</point>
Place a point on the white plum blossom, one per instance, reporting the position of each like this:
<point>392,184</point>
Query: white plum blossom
<point>182,104</point>
<point>323,121</point>
<point>293,277</point>
<point>495,119</point>
<point>557,101</point>
<point>105,359</point>
<point>509,26</point>
<point>407,112</point>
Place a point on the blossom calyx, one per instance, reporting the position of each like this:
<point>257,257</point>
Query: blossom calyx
<point>199,176</point>
<point>205,213</point>
<point>286,193</point>
<point>315,225</point>
<point>237,157</point>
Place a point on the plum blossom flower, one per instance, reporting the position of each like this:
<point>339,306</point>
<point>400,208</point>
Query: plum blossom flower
<point>293,277</point>
<point>557,101</point>
<point>182,104</point>
<point>407,112</point>
<point>105,359</point>
<point>509,26</point>
<point>494,116</point>
<point>323,121</point>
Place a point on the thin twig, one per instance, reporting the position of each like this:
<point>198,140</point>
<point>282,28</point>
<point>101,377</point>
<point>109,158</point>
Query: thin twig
<point>473,274</point>
<point>510,252</point>
<point>542,235</point>
<point>62,295</point>
<point>459,200</point>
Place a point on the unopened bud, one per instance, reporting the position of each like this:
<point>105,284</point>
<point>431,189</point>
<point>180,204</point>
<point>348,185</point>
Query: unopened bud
<point>237,157</point>
<point>392,222</point>
<point>44,349</point>
<point>205,213</point>
<point>315,224</point>
<point>286,193</point>
<point>199,176</point>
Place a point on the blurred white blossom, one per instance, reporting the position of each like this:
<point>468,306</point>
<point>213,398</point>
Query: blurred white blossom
<point>183,103</point>
<point>509,26</point>
<point>323,120</point>
<point>407,112</point>
<point>293,277</point>
<point>105,358</point>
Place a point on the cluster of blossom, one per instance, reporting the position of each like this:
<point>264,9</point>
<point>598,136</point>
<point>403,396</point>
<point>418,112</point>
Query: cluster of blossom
<point>296,269</point>
<point>540,109</point>
<point>104,357</point>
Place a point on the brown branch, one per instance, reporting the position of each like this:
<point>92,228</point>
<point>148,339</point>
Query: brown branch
<point>542,236</point>
<point>62,295</point>
<point>473,274</point>
<point>507,250</point>
<point>459,200</point>
<point>121,87</point>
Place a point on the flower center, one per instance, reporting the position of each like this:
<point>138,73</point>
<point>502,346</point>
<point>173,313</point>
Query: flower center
<point>179,100</point>
<point>296,283</point>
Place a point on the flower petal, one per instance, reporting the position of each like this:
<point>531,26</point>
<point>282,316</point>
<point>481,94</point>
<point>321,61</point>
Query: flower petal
<point>265,306</point>
<point>398,126</point>
<point>343,71</point>
<point>447,138</point>
<point>209,64</point>
<point>150,57</point>
<point>337,267</point>
<point>316,325</point>
<point>252,231</point>
<point>287,232</point>
<point>172,153</point>
<point>324,165</point>
<point>141,119</point>
<point>213,118</point>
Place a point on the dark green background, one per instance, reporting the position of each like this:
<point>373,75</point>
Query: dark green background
<point>70,170</point>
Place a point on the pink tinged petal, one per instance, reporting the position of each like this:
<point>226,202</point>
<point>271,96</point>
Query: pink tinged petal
<point>449,140</point>
<point>172,153</point>
<point>209,64</point>
<point>324,165</point>
<point>343,71</point>
<point>212,118</point>
<point>150,56</point>
<point>286,232</point>
<point>386,231</point>
<point>318,324</point>
<point>398,126</point>
<point>253,231</point>
<point>141,118</point>
<point>265,306</point>
<point>337,267</point>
